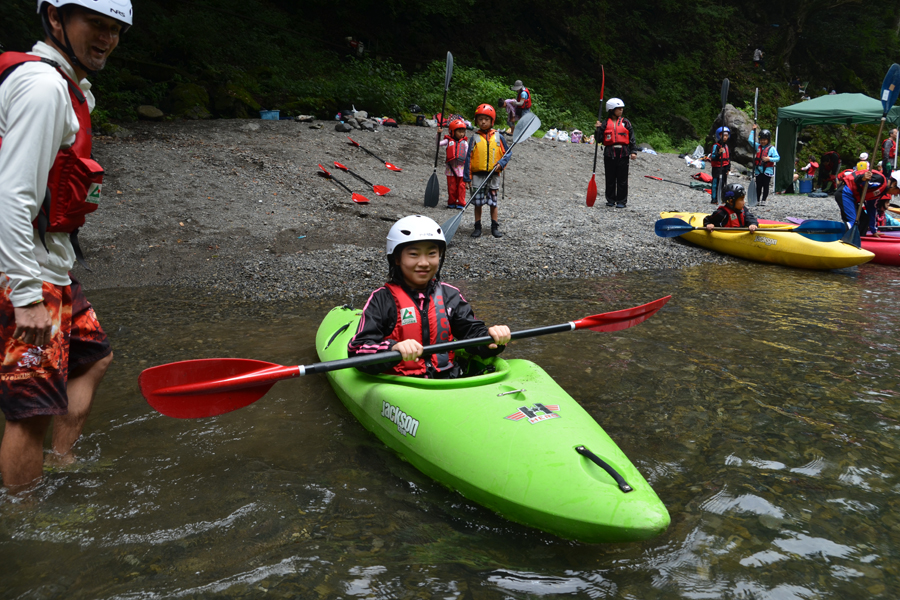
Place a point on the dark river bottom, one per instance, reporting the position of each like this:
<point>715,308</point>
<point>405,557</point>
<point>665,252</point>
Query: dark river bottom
<point>760,403</point>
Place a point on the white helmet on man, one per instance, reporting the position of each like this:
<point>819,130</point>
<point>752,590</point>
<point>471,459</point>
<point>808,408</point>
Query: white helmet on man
<point>415,228</point>
<point>120,10</point>
<point>614,103</point>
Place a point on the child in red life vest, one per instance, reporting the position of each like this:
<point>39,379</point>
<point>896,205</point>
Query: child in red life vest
<point>720,159</point>
<point>415,308</point>
<point>616,134</point>
<point>733,213</point>
<point>457,145</point>
<point>883,218</point>
<point>486,150</point>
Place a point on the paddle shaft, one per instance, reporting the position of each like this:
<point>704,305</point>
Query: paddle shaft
<point>668,181</point>
<point>752,199</point>
<point>725,85</point>
<point>357,176</point>
<point>331,178</point>
<point>447,73</point>
<point>278,372</point>
<point>599,116</point>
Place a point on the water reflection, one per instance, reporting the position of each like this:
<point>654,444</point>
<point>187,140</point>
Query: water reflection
<point>760,403</point>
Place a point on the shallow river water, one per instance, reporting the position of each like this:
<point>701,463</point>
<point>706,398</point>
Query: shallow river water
<point>761,403</point>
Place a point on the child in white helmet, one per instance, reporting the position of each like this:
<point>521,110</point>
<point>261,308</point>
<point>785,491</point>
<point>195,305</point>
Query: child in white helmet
<point>616,133</point>
<point>415,308</point>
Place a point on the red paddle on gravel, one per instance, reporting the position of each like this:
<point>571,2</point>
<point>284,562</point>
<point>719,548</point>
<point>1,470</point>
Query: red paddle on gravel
<point>358,198</point>
<point>208,387</point>
<point>370,153</point>
<point>592,185</point>
<point>379,190</point>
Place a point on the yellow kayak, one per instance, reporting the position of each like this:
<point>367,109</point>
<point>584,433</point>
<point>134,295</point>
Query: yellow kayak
<point>772,243</point>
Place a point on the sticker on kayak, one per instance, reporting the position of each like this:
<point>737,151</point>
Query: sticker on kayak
<point>547,411</point>
<point>405,423</point>
<point>766,240</point>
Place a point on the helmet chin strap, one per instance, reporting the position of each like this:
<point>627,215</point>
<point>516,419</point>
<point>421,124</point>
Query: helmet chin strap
<point>67,47</point>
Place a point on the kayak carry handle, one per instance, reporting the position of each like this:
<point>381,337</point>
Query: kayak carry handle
<point>623,485</point>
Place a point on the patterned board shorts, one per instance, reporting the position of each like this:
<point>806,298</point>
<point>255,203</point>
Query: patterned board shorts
<point>488,195</point>
<point>33,379</point>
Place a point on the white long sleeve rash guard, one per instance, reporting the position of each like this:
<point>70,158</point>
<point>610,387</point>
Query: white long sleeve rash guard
<point>36,121</point>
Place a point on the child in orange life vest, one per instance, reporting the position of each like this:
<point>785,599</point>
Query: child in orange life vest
<point>733,213</point>
<point>720,159</point>
<point>616,134</point>
<point>487,149</point>
<point>415,308</point>
<point>457,145</point>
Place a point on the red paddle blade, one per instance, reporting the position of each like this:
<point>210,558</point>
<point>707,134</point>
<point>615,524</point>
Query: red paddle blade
<point>359,198</point>
<point>621,319</point>
<point>592,191</point>
<point>192,389</point>
<point>392,167</point>
<point>327,174</point>
<point>352,143</point>
<point>380,190</point>
<point>341,167</point>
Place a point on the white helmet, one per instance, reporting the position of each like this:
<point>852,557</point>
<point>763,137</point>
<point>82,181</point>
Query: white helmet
<point>614,103</point>
<point>864,156</point>
<point>896,177</point>
<point>120,10</point>
<point>415,228</point>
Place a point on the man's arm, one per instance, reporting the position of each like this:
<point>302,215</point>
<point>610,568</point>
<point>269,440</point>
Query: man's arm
<point>34,120</point>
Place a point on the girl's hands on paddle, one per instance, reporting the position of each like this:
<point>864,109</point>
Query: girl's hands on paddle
<point>408,349</point>
<point>501,334</point>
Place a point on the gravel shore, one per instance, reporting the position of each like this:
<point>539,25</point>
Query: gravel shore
<point>235,205</point>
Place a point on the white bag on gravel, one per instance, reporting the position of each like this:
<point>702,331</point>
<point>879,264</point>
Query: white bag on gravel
<point>698,152</point>
<point>551,135</point>
<point>563,136</point>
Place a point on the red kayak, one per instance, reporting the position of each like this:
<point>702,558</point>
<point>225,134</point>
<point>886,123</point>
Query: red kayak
<point>885,248</point>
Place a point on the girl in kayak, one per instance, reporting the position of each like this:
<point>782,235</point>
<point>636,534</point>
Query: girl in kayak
<point>415,308</point>
<point>733,213</point>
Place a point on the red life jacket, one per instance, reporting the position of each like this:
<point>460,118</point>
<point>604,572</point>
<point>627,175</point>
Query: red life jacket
<point>892,149</point>
<point>409,327</point>
<point>735,219</point>
<point>616,133</point>
<point>74,181</point>
<point>880,219</point>
<point>758,161</point>
<point>527,102</point>
<point>812,168</point>
<point>848,178</point>
<point>453,153</point>
<point>724,157</point>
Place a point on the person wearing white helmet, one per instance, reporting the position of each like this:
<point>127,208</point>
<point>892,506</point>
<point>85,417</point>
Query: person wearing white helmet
<point>53,352</point>
<point>415,308</point>
<point>616,133</point>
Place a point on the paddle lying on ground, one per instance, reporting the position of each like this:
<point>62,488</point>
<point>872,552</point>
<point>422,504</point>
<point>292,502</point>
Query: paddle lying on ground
<point>379,190</point>
<point>890,88</point>
<point>592,184</point>
<point>525,128</point>
<point>433,189</point>
<point>358,198</point>
<point>698,186</point>
<point>752,199</point>
<point>370,153</point>
<point>207,387</point>
<point>821,231</point>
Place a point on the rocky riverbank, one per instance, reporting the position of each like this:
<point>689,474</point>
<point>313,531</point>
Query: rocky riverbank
<point>236,206</point>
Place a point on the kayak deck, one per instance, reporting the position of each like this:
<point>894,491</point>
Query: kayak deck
<point>507,439</point>
<point>774,243</point>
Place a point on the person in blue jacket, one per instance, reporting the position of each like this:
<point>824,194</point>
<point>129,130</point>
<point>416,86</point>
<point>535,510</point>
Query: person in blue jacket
<point>765,158</point>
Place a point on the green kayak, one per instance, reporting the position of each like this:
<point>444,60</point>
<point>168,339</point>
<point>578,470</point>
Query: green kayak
<point>511,440</point>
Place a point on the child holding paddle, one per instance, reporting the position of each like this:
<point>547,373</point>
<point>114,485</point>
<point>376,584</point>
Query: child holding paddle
<point>415,308</point>
<point>733,213</point>
<point>720,160</point>
<point>488,148</point>
<point>616,134</point>
<point>764,161</point>
<point>457,145</point>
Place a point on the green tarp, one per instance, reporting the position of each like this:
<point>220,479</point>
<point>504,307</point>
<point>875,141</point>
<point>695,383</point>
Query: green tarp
<point>839,109</point>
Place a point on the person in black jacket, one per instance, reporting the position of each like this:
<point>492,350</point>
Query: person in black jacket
<point>415,308</point>
<point>733,213</point>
